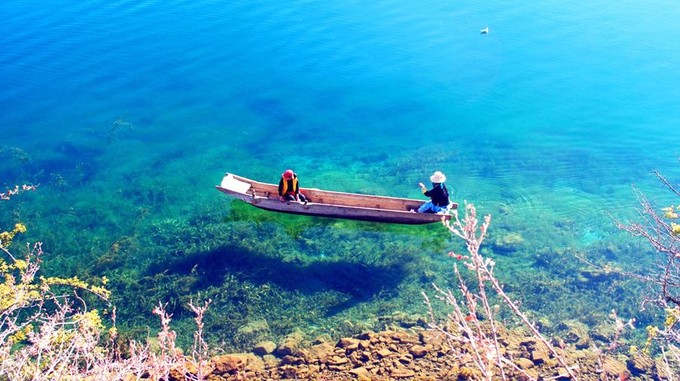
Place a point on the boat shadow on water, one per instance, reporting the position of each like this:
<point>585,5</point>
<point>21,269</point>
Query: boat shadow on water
<point>358,281</point>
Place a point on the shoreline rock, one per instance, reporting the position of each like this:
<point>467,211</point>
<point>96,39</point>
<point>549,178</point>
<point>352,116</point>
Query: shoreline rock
<point>416,354</point>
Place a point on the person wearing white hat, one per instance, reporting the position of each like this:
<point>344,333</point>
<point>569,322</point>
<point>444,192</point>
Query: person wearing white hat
<point>439,195</point>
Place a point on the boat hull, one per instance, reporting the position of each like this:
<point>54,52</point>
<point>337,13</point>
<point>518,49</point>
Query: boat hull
<point>330,204</point>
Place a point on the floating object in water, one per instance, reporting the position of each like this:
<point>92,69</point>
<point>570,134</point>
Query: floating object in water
<point>485,30</point>
<point>322,203</point>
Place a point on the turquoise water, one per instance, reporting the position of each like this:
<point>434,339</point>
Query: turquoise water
<point>128,113</point>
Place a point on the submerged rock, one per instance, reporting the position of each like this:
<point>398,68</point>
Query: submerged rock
<point>242,363</point>
<point>422,355</point>
<point>613,367</point>
<point>639,363</point>
<point>607,273</point>
<point>507,243</point>
<point>575,333</point>
<point>264,348</point>
<point>290,343</point>
<point>254,332</point>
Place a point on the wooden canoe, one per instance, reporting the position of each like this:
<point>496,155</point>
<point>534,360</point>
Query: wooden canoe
<point>322,203</point>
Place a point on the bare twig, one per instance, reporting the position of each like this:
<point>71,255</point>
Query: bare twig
<point>482,340</point>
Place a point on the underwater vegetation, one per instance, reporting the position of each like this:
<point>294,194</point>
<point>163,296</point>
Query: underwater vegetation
<point>269,274</point>
<point>289,271</point>
<point>286,272</point>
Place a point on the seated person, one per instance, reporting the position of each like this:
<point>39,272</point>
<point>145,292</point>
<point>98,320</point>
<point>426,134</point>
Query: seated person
<point>289,187</point>
<point>439,195</point>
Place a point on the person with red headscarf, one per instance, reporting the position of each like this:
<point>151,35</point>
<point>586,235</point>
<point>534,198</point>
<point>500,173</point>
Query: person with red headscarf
<point>289,187</point>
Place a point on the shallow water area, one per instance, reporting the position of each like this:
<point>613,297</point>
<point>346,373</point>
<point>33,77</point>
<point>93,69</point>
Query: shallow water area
<point>128,114</point>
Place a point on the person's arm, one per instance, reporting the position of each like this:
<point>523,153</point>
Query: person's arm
<point>281,189</point>
<point>296,191</point>
<point>426,192</point>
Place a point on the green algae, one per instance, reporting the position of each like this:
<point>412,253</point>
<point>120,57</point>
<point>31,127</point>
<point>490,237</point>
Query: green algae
<point>158,242</point>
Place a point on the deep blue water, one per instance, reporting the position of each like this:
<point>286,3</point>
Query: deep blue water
<point>129,112</point>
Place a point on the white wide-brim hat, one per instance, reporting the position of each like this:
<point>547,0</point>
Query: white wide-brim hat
<point>438,177</point>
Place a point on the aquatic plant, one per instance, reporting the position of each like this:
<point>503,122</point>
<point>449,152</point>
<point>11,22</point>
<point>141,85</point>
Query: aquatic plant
<point>121,123</point>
